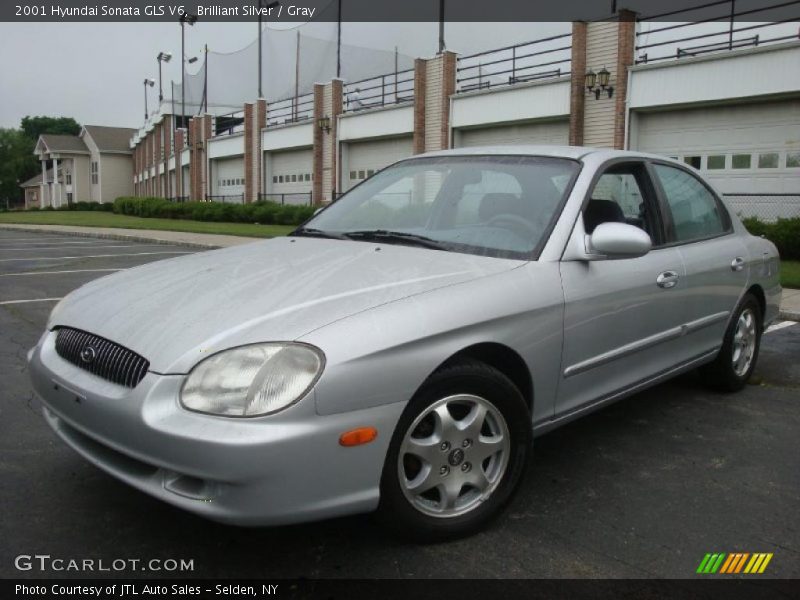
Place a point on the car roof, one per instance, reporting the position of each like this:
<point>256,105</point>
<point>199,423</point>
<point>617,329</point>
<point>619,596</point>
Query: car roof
<point>573,152</point>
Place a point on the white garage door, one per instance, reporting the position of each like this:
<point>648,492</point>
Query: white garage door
<point>751,152</point>
<point>550,133</point>
<point>363,159</point>
<point>290,176</point>
<point>228,179</point>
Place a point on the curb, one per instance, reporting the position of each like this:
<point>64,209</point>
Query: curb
<point>114,236</point>
<point>789,315</point>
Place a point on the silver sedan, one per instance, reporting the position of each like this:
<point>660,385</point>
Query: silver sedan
<point>400,350</point>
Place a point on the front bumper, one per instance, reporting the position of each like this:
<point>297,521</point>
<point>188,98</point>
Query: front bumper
<point>283,468</point>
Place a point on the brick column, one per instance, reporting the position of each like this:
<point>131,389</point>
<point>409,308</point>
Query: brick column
<point>439,82</point>
<point>419,105</point>
<point>157,135</point>
<point>328,100</point>
<point>317,170</point>
<point>180,136</point>
<point>166,129</point>
<point>200,129</point>
<point>577,94</point>
<point>626,43</point>
<point>255,119</point>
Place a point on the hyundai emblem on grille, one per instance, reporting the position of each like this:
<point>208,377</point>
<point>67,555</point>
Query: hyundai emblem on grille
<point>88,354</point>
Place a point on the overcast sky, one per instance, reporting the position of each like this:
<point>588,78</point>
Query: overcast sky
<point>94,72</point>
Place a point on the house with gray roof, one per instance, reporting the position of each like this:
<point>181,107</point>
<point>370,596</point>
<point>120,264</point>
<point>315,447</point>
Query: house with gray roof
<point>94,166</point>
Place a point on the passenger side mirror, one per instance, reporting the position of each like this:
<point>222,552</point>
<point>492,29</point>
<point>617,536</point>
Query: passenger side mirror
<point>617,240</point>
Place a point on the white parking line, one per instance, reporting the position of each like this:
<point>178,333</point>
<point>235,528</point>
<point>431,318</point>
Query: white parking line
<point>95,246</point>
<point>780,325</point>
<point>94,256</point>
<point>11,239</point>
<point>46,243</point>
<point>27,301</point>
<point>59,272</point>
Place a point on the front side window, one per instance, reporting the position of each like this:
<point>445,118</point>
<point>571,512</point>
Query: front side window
<point>696,213</point>
<point>619,197</point>
<point>488,205</point>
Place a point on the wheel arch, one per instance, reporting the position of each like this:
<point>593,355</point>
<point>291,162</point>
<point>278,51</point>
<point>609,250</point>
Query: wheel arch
<point>758,292</point>
<point>504,359</point>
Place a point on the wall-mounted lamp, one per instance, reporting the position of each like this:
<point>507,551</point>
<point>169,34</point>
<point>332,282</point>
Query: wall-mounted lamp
<point>597,82</point>
<point>324,123</point>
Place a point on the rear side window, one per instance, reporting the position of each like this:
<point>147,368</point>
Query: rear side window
<point>696,214</point>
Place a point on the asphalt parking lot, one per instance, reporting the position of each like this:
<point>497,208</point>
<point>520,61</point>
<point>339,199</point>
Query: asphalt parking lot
<point>644,488</point>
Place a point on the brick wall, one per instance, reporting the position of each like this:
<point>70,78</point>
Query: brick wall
<point>577,96</point>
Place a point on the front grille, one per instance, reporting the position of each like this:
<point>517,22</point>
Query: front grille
<point>101,357</point>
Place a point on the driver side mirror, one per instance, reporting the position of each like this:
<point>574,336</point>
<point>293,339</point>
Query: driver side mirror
<point>617,240</point>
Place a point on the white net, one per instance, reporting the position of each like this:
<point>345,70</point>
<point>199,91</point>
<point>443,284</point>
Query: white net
<point>291,64</point>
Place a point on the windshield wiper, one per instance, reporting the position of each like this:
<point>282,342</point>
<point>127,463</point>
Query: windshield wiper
<point>312,232</point>
<point>382,235</point>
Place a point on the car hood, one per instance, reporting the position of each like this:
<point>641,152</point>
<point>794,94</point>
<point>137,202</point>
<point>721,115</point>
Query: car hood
<point>175,312</point>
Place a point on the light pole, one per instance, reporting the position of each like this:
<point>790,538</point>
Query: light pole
<point>441,26</point>
<point>163,57</point>
<point>191,20</point>
<point>151,83</point>
<point>261,6</point>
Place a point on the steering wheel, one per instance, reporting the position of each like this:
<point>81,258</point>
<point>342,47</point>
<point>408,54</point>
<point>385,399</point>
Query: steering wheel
<point>515,223</point>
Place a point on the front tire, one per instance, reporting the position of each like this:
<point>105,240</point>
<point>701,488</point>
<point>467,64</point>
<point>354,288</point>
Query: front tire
<point>457,454</point>
<point>736,360</point>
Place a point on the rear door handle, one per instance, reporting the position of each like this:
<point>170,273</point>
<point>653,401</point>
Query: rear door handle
<point>667,279</point>
<point>737,264</point>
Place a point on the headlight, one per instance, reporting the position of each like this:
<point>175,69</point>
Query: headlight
<point>251,380</point>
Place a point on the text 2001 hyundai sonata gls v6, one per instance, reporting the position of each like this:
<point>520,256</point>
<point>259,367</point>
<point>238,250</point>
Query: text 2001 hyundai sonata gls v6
<point>399,351</point>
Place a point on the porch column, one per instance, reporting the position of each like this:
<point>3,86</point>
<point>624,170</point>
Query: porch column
<point>56,184</point>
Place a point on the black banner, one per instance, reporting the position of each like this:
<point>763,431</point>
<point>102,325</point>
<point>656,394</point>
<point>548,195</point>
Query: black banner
<point>418,589</point>
<point>478,11</point>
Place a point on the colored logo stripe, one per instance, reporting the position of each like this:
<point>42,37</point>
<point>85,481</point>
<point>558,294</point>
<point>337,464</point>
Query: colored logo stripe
<point>734,563</point>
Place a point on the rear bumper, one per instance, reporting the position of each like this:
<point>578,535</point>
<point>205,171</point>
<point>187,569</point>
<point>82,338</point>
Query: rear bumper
<point>284,468</point>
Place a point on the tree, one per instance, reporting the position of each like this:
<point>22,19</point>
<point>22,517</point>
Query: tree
<point>33,127</point>
<point>17,161</point>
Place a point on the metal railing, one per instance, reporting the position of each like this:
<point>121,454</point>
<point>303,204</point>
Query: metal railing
<point>296,198</point>
<point>228,124</point>
<point>545,58</point>
<point>685,39</point>
<point>382,90</point>
<point>226,198</point>
<point>178,199</point>
<point>767,206</point>
<point>290,110</point>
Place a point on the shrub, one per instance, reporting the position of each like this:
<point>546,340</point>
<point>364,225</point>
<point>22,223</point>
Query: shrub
<point>784,233</point>
<point>267,213</point>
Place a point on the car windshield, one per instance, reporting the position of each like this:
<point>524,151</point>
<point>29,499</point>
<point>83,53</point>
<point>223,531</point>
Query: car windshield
<point>501,206</point>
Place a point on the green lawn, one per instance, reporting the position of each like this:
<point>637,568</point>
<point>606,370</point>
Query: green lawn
<point>107,219</point>
<point>790,274</point>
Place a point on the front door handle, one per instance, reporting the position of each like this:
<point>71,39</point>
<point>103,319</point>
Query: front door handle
<point>667,279</point>
<point>737,264</point>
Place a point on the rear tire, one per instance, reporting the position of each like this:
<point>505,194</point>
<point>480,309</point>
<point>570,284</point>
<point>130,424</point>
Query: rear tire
<point>457,454</point>
<point>737,358</point>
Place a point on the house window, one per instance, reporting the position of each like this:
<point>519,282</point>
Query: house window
<point>352,174</point>
<point>361,174</point>
<point>95,173</point>
<point>768,160</point>
<point>692,161</point>
<point>274,179</point>
<point>741,161</point>
<point>715,162</point>
<point>69,197</point>
<point>69,178</point>
<point>294,178</point>
<point>793,159</point>
<point>308,175</point>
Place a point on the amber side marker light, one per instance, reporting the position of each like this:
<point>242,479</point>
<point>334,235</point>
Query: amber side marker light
<point>356,437</point>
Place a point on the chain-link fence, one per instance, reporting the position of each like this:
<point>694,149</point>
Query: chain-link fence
<point>766,207</point>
